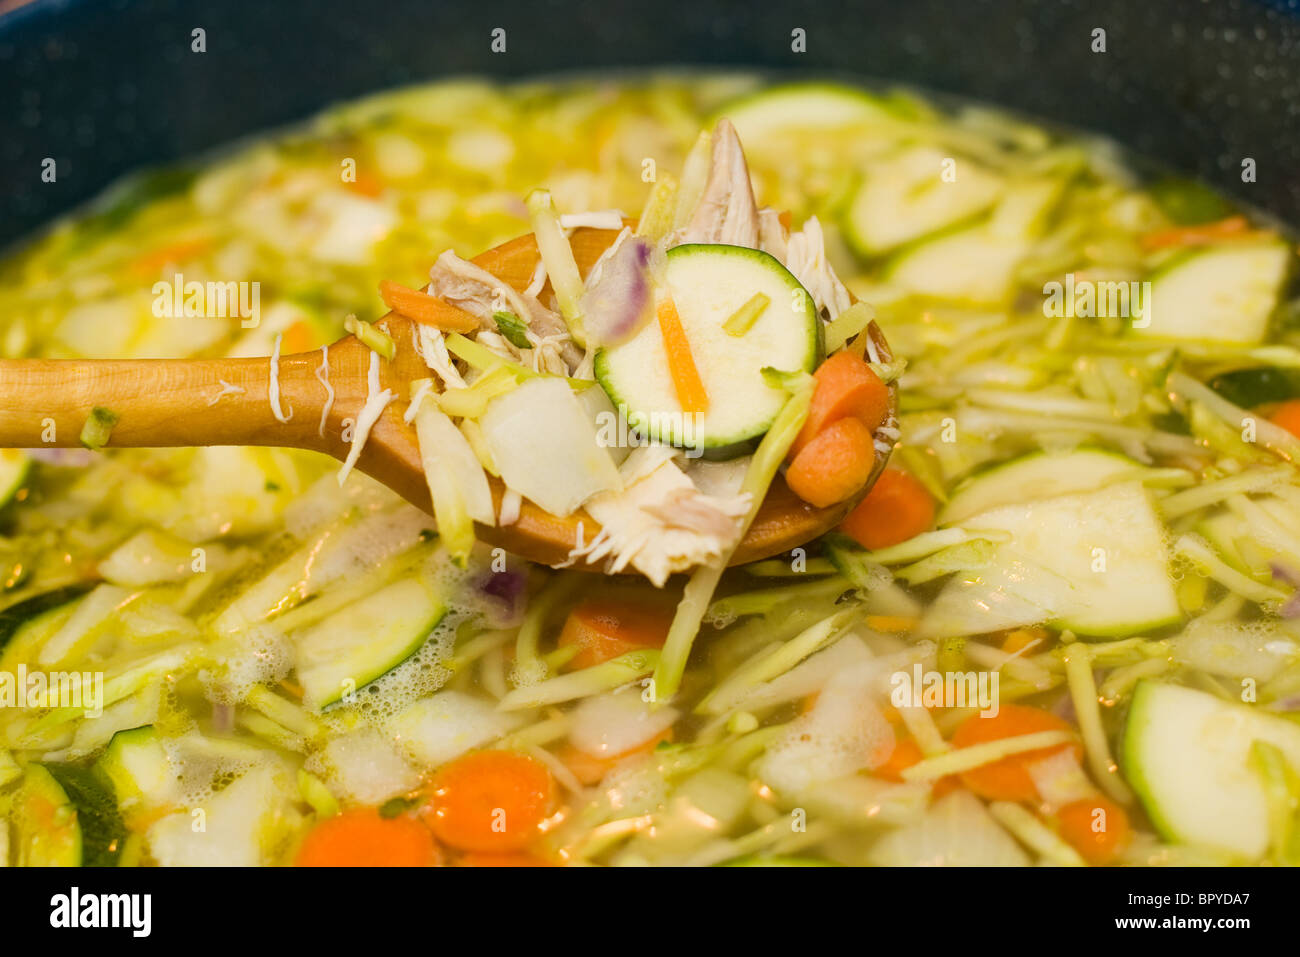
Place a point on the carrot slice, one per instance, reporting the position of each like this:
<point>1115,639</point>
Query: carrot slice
<point>834,465</point>
<point>490,801</point>
<point>299,337</point>
<point>172,253</point>
<point>425,309</point>
<point>846,386</point>
<point>1096,827</point>
<point>604,628</point>
<point>591,768</point>
<point>681,363</point>
<point>897,508</point>
<point>1199,235</point>
<point>1287,415</point>
<point>1008,779</point>
<point>1018,639</point>
<point>363,838</point>
<point>502,860</point>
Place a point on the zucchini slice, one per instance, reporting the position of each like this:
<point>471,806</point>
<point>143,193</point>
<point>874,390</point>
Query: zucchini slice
<point>803,106</point>
<point>1225,293</point>
<point>906,197</point>
<point>15,466</point>
<point>708,283</point>
<point>972,265</point>
<point>366,640</point>
<point>137,767</point>
<point>24,627</point>
<point>1095,563</point>
<point>1034,476</point>
<point>1187,755</point>
<point>66,817</point>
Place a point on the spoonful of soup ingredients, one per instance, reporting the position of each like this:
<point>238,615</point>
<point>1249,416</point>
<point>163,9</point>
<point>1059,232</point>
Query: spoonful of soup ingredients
<point>689,391</point>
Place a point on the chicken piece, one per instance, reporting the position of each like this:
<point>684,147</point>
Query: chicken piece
<point>475,290</point>
<point>772,237</point>
<point>726,212</point>
<point>806,260</point>
<point>660,523</point>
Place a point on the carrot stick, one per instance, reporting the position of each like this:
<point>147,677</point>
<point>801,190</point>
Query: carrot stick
<point>897,508</point>
<point>681,363</point>
<point>1008,779</point>
<point>490,801</point>
<point>846,386</point>
<point>1096,827</point>
<point>834,465</point>
<point>1199,235</point>
<point>363,838</point>
<point>425,309</point>
<point>176,252</point>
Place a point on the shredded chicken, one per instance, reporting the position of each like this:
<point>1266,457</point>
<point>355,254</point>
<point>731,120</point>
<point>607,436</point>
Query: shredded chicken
<point>227,388</point>
<point>660,523</point>
<point>432,347</point>
<point>726,212</point>
<point>475,290</point>
<point>376,402</point>
<point>323,376</point>
<point>806,259</point>
<point>772,237</point>
<point>273,389</point>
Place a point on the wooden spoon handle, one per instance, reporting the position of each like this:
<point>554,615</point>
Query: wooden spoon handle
<point>160,402</point>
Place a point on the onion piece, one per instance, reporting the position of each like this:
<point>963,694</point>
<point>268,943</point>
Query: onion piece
<point>621,301</point>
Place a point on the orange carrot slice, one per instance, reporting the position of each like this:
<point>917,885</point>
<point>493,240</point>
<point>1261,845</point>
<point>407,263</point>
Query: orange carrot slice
<point>490,801</point>
<point>846,386</point>
<point>363,838</point>
<point>897,508</point>
<point>681,362</point>
<point>426,309</point>
<point>1199,235</point>
<point>834,465</point>
<point>1096,827</point>
<point>604,628</point>
<point>1287,415</point>
<point>1008,779</point>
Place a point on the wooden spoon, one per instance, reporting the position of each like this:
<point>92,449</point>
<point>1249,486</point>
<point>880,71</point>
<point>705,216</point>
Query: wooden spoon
<point>190,402</point>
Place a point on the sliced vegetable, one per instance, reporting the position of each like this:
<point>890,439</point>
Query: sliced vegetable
<point>781,110</point>
<point>66,817</point>
<point>1095,562</point>
<point>426,309</point>
<point>365,640</point>
<point>846,388</point>
<point>1223,293</point>
<point>1008,779</point>
<point>744,318</point>
<point>1201,234</point>
<point>557,255</point>
<point>457,482</point>
<point>971,265</point>
<point>1036,476</point>
<point>604,628</point>
<point>908,196</point>
<point>15,466</point>
<point>514,329</point>
<point>371,336</point>
<point>835,465</point>
<point>650,374</point>
<point>136,765</point>
<point>897,508</point>
<point>362,837</point>
<point>546,447</point>
<point>1096,827</point>
<point>490,801</point>
<point>621,301</point>
<point>98,428</point>
<point>1187,754</point>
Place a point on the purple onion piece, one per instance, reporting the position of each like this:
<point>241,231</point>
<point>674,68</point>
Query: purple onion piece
<point>507,590</point>
<point>621,302</point>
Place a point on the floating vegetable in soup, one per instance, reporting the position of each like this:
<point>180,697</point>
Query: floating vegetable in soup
<point>1060,628</point>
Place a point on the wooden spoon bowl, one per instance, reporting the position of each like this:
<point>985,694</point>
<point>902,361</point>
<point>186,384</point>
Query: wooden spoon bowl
<point>195,402</point>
